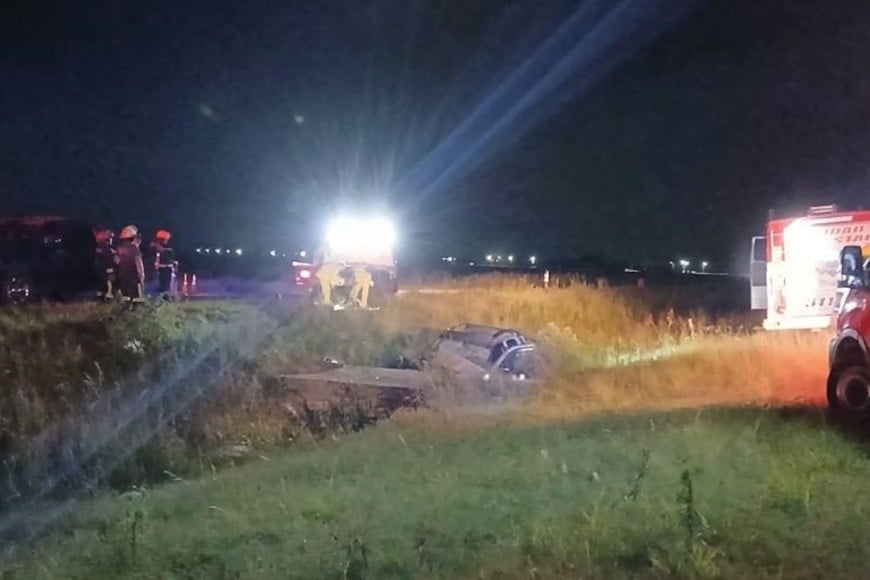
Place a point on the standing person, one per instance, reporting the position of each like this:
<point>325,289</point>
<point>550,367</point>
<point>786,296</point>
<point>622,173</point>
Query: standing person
<point>105,264</point>
<point>130,269</point>
<point>361,283</point>
<point>164,262</point>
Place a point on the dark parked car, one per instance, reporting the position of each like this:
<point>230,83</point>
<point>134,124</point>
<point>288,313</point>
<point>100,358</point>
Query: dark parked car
<point>46,258</point>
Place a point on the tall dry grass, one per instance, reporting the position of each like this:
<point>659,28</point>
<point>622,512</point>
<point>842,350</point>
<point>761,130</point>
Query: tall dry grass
<point>758,369</point>
<point>589,326</point>
<point>610,351</point>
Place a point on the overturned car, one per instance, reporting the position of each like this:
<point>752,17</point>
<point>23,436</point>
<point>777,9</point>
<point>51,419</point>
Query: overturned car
<point>472,363</point>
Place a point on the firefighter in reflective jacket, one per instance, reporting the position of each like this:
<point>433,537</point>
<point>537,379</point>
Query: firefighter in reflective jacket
<point>361,283</point>
<point>105,264</point>
<point>329,275</point>
<point>164,262</point>
<point>130,269</point>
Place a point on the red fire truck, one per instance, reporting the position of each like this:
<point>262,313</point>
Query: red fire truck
<point>794,268</point>
<point>848,386</point>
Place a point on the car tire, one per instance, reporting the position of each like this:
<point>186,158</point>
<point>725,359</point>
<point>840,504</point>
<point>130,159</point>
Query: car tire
<point>848,391</point>
<point>16,287</point>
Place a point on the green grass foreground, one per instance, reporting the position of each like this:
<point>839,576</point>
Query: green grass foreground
<point>746,493</point>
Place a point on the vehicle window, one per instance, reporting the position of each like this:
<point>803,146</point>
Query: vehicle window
<point>496,352</point>
<point>521,362</point>
<point>759,249</point>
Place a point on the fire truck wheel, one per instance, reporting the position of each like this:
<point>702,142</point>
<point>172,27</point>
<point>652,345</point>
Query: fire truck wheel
<point>849,391</point>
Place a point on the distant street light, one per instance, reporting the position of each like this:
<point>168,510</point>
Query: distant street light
<point>704,266</point>
<point>533,260</point>
<point>510,258</point>
<point>489,258</point>
<point>684,264</point>
<point>273,253</point>
<point>238,251</point>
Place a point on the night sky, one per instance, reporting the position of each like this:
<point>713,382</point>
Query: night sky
<point>666,132</point>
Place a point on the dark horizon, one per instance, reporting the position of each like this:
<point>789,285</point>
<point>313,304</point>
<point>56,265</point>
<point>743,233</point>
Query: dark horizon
<point>641,133</point>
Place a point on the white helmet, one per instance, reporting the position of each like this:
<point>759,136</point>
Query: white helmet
<point>129,232</point>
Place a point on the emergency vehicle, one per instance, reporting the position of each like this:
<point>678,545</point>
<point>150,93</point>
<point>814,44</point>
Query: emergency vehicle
<point>794,267</point>
<point>358,242</point>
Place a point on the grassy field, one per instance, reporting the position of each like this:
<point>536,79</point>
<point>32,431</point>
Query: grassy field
<point>721,493</point>
<point>661,445</point>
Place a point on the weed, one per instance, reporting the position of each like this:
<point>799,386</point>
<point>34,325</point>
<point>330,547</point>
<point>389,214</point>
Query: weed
<point>698,558</point>
<point>357,560</point>
<point>634,492</point>
<point>132,525</point>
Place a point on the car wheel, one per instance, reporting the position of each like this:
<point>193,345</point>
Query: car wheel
<point>849,391</point>
<point>16,289</point>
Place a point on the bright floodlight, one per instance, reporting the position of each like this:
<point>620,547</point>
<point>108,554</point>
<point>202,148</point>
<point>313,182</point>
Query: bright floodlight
<point>489,257</point>
<point>217,251</point>
<point>684,263</point>
<point>533,260</point>
<point>273,253</point>
<point>348,233</point>
<point>238,251</point>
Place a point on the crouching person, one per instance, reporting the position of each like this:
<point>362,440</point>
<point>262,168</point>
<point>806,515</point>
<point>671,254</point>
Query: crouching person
<point>361,284</point>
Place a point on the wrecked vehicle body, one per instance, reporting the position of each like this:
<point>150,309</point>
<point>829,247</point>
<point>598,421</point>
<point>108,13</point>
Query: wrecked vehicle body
<point>472,363</point>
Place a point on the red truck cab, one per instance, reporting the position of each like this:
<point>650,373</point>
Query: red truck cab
<point>848,387</point>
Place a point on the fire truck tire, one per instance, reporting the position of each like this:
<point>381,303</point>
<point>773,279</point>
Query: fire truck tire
<point>849,391</point>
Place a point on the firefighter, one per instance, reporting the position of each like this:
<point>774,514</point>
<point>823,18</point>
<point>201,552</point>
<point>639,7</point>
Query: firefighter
<point>164,262</point>
<point>130,269</point>
<point>329,275</point>
<point>105,264</point>
<point>361,283</point>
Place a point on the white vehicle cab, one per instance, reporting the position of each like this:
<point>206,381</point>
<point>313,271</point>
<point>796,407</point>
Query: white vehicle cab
<point>794,267</point>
